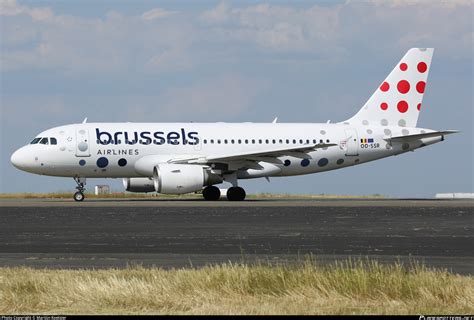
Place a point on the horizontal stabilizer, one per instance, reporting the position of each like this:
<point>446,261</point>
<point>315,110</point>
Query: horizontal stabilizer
<point>419,136</point>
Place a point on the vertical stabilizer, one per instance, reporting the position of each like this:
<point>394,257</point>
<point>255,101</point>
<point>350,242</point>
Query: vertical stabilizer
<point>398,100</point>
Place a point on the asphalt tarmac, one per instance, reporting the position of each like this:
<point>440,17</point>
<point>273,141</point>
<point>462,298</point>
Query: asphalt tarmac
<point>119,233</point>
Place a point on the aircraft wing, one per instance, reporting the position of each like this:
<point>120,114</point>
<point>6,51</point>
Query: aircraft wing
<point>299,151</point>
<point>413,137</point>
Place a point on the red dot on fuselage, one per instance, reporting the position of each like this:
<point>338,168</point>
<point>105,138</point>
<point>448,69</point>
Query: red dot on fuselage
<point>402,106</point>
<point>385,86</point>
<point>383,106</point>
<point>403,86</point>
<point>418,106</point>
<point>420,86</point>
<point>403,67</point>
<point>422,67</point>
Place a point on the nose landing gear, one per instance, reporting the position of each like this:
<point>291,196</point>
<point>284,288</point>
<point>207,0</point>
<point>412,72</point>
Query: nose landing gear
<point>79,195</point>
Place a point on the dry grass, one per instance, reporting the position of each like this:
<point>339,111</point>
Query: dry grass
<point>345,288</point>
<point>117,195</point>
<point>126,195</point>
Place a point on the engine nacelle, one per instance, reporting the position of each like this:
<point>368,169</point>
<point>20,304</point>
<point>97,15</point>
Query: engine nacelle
<point>182,178</point>
<point>139,184</point>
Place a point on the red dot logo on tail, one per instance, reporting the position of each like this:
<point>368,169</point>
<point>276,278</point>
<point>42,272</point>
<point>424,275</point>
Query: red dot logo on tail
<point>385,86</point>
<point>418,106</point>
<point>403,66</point>
<point>384,106</point>
<point>420,86</point>
<point>402,106</point>
<point>422,67</point>
<point>403,86</point>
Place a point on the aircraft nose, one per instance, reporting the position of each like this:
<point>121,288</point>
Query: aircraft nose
<point>19,158</point>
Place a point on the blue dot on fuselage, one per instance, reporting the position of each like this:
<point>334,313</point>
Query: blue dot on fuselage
<point>102,162</point>
<point>304,162</point>
<point>82,162</point>
<point>322,162</point>
<point>287,163</point>
<point>122,162</point>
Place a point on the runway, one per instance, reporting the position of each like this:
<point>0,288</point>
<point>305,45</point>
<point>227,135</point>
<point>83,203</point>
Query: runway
<point>117,233</point>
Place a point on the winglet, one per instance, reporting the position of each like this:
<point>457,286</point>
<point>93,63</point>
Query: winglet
<point>85,120</point>
<point>275,120</point>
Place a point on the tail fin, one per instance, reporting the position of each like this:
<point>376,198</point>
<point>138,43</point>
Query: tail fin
<point>397,102</point>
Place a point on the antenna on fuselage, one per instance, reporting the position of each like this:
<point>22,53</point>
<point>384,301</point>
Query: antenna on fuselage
<point>85,120</point>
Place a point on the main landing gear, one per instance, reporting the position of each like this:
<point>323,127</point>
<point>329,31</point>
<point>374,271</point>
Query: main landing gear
<point>79,195</point>
<point>212,193</point>
<point>236,194</point>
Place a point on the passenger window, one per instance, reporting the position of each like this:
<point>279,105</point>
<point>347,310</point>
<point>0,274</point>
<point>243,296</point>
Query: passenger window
<point>35,140</point>
<point>44,141</point>
<point>53,141</point>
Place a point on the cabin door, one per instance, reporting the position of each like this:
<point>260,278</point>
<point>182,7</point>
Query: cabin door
<point>352,146</point>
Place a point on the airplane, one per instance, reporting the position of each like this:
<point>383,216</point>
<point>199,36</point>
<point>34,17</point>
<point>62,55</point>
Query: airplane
<point>179,158</point>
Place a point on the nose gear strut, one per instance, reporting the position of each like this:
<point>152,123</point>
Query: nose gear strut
<point>81,183</point>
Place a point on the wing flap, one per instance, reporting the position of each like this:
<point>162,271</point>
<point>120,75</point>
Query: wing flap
<point>299,151</point>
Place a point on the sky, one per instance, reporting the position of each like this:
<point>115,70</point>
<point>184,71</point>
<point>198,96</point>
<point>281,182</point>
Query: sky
<point>237,61</point>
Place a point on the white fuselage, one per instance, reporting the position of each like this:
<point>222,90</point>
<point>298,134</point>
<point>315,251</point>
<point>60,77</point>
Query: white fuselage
<point>133,149</point>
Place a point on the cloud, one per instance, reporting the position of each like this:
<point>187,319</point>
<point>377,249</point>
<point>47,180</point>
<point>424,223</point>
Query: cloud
<point>36,37</point>
<point>209,99</point>
<point>157,13</point>
<point>12,8</point>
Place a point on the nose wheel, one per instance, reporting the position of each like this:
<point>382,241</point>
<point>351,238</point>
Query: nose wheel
<point>81,183</point>
<point>79,196</point>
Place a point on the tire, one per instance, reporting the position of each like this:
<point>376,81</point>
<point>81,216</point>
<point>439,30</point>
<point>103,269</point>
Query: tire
<point>79,196</point>
<point>236,194</point>
<point>211,193</point>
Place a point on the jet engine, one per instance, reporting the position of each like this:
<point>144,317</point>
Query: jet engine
<point>182,178</point>
<point>139,184</point>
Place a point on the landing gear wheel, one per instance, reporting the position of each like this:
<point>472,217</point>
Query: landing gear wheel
<point>79,196</point>
<point>211,193</point>
<point>81,183</point>
<point>236,194</point>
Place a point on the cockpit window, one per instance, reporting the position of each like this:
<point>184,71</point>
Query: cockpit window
<point>53,141</point>
<point>44,141</point>
<point>35,141</point>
